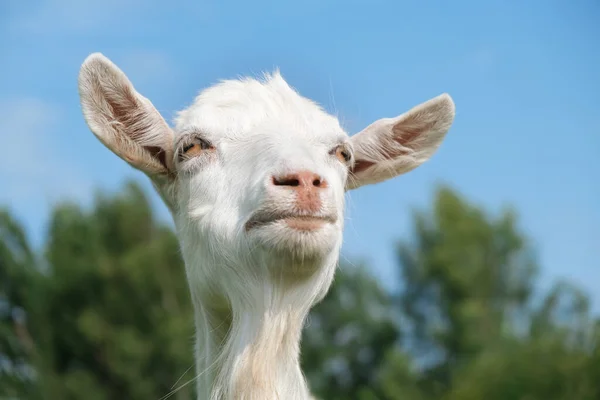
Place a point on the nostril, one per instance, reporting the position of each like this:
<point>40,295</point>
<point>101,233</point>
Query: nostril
<point>286,181</point>
<point>301,179</point>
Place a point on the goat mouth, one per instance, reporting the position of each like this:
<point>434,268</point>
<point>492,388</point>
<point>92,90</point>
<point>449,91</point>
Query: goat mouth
<point>295,221</point>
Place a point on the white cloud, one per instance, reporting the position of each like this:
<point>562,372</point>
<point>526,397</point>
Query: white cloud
<point>31,166</point>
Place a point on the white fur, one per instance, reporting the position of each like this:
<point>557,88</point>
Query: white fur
<point>252,290</point>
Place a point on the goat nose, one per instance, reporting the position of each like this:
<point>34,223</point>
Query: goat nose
<point>307,187</point>
<point>301,180</point>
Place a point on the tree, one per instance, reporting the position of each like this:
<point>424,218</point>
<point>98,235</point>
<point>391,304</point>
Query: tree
<point>472,326</point>
<point>117,315</point>
<point>16,274</point>
<point>557,359</point>
<point>348,336</point>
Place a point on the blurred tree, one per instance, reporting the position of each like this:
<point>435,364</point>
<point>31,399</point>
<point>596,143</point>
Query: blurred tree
<point>467,301</point>
<point>557,360</point>
<point>399,379</point>
<point>16,275</point>
<point>466,277</point>
<point>117,313</point>
<point>348,336</point>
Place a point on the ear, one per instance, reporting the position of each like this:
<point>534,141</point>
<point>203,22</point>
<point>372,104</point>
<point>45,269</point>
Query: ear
<point>393,146</point>
<point>123,120</point>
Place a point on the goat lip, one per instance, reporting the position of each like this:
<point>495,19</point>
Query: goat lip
<point>293,220</point>
<point>305,223</point>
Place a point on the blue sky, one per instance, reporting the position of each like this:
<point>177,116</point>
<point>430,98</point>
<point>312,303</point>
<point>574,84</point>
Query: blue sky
<point>525,77</point>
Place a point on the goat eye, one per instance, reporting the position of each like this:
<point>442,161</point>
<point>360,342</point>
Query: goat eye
<point>343,154</point>
<point>195,148</point>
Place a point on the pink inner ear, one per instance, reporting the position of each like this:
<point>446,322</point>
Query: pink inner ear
<point>361,165</point>
<point>405,132</point>
<point>158,153</point>
<point>127,110</point>
<point>405,135</point>
<point>410,128</point>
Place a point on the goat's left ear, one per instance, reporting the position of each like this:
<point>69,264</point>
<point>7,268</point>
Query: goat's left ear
<point>124,120</point>
<point>393,146</point>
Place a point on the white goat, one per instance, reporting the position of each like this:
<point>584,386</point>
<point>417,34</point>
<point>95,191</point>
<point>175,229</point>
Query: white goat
<point>254,176</point>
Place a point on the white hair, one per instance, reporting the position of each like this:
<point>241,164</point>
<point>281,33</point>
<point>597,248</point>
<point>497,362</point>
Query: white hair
<point>255,176</point>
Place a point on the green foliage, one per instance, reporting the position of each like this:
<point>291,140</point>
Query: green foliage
<point>471,320</point>
<point>348,336</point>
<point>115,317</point>
<point>16,277</point>
<point>104,313</point>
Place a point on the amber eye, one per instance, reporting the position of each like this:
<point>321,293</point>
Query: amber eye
<point>195,147</point>
<point>343,154</point>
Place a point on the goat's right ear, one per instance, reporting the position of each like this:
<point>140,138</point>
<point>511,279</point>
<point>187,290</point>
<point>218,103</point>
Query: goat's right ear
<point>122,119</point>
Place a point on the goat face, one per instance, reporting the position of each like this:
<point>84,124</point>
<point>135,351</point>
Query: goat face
<point>262,172</point>
<point>253,173</point>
